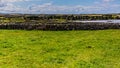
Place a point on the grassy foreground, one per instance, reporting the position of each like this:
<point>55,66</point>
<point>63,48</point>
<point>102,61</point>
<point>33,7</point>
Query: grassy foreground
<point>59,49</point>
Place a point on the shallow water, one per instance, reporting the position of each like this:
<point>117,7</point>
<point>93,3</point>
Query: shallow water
<point>101,21</point>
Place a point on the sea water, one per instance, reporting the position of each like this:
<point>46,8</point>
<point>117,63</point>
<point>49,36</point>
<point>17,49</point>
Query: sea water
<point>100,21</point>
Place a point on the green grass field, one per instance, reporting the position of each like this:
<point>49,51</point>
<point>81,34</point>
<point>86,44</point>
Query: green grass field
<point>59,49</point>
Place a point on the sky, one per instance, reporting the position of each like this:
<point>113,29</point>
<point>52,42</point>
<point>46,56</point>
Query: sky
<point>60,6</point>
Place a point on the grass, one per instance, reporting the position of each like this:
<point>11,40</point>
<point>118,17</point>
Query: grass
<point>59,49</point>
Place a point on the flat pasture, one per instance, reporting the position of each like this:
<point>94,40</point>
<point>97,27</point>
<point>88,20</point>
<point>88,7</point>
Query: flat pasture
<point>60,49</point>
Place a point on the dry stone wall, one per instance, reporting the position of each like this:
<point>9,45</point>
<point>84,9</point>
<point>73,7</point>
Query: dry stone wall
<point>61,26</point>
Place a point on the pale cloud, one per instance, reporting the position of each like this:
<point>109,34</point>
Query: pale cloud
<point>50,8</point>
<point>8,6</point>
<point>108,0</point>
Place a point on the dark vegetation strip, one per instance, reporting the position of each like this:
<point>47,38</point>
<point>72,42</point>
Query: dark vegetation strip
<point>58,18</point>
<point>60,26</point>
